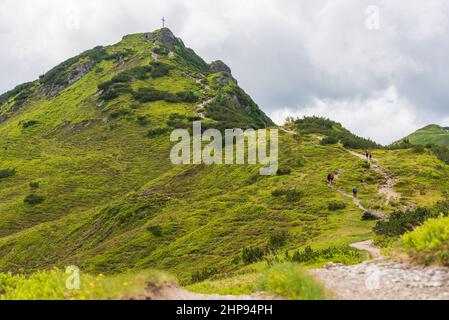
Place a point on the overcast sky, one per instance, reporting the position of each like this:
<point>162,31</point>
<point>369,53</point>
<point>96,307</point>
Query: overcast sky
<point>379,67</point>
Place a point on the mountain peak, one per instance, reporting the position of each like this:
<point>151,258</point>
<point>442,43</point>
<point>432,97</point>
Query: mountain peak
<point>164,36</point>
<point>219,66</point>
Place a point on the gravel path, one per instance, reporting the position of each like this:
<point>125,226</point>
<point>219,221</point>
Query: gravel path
<point>375,280</point>
<point>174,292</point>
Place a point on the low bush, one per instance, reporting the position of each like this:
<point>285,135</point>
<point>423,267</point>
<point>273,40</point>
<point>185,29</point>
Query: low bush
<point>29,123</point>
<point>329,141</point>
<point>160,69</point>
<point>290,281</point>
<point>430,242</point>
<point>277,240</point>
<point>34,185</point>
<point>402,222</point>
<point>344,255</point>
<point>6,173</point>
<point>156,132</point>
<point>203,274</point>
<point>161,51</point>
<point>33,199</point>
<point>335,206</point>
<point>143,120</point>
<point>284,171</point>
<point>291,195</point>
<point>120,113</point>
<point>252,255</point>
<point>155,230</point>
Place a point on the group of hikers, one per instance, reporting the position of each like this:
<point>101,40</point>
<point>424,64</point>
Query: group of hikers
<point>331,177</point>
<point>330,181</point>
<point>369,155</point>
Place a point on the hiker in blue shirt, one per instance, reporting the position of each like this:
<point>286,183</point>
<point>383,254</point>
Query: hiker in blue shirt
<point>355,191</point>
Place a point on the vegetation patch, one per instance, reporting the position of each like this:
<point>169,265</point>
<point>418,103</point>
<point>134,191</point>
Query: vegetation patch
<point>429,243</point>
<point>6,173</point>
<point>290,281</point>
<point>33,199</point>
<point>343,254</point>
<point>290,195</point>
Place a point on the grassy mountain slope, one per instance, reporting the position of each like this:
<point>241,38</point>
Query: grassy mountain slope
<point>85,176</point>
<point>431,134</point>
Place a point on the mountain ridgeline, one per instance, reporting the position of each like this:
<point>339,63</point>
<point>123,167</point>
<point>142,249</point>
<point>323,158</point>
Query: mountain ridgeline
<point>333,131</point>
<point>138,58</point>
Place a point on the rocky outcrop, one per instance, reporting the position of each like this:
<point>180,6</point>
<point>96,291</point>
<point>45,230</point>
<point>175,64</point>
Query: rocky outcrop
<point>219,66</point>
<point>3,118</point>
<point>165,37</point>
<point>72,76</point>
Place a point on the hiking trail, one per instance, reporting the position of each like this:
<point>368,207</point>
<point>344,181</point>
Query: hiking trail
<point>386,188</point>
<point>171,291</point>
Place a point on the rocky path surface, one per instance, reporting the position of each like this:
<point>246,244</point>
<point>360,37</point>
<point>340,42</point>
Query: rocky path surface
<point>376,280</point>
<point>174,292</point>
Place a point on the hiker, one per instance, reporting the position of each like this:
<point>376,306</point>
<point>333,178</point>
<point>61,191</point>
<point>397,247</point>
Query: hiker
<point>355,191</point>
<point>367,154</point>
<point>329,178</point>
<point>332,178</point>
<point>370,156</point>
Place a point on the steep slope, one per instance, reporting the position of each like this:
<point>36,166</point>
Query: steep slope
<point>431,134</point>
<point>95,127</point>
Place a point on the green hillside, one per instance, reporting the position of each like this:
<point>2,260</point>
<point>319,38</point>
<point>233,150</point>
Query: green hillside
<point>86,179</point>
<point>431,134</point>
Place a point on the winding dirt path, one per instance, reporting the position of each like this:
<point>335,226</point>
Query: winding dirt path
<point>386,188</point>
<point>172,291</point>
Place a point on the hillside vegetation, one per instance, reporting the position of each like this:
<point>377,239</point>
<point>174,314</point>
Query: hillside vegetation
<point>86,180</point>
<point>431,134</point>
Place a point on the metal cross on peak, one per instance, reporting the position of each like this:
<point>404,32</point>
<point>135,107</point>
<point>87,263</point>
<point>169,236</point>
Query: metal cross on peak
<point>163,22</point>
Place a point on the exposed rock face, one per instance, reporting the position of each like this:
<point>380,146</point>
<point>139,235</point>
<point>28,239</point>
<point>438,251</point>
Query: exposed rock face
<point>3,118</point>
<point>219,66</point>
<point>165,37</point>
<point>72,76</point>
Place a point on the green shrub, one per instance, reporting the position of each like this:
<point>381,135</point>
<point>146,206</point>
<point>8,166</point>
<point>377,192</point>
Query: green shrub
<point>291,282</point>
<point>113,90</point>
<point>291,195</point>
<point>143,120</point>
<point>277,240</point>
<point>161,51</point>
<point>252,255</point>
<point>335,206</point>
<point>402,222</point>
<point>430,242</point>
<point>27,124</point>
<point>365,165</point>
<point>203,274</point>
<point>329,141</point>
<point>284,171</point>
<point>156,132</point>
<point>6,173</point>
<point>120,112</point>
<point>186,96</point>
<point>160,69</point>
<point>155,230</point>
<point>33,199</point>
<point>34,185</point>
<point>344,255</point>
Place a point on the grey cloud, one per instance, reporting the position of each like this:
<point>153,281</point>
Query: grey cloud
<point>284,53</point>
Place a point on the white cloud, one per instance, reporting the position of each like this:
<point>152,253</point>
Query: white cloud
<point>284,53</point>
<point>385,116</point>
